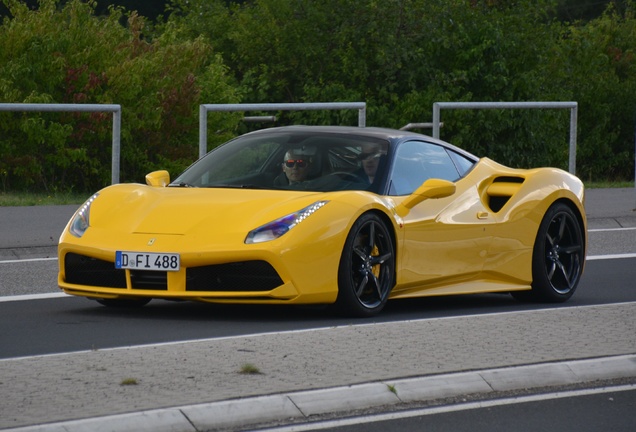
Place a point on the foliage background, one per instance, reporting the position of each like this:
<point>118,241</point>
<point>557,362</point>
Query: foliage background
<point>399,56</point>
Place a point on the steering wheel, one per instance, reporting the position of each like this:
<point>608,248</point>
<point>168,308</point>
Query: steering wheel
<point>344,175</point>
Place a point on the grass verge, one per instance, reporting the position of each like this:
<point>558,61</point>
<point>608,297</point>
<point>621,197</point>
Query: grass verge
<point>15,199</point>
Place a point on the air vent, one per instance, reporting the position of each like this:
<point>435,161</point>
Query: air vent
<point>501,190</point>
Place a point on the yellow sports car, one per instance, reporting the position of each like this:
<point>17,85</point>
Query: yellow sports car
<point>344,216</point>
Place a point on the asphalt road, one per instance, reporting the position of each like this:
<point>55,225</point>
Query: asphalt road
<point>510,333</point>
<point>28,266</point>
<point>70,324</point>
<point>580,411</point>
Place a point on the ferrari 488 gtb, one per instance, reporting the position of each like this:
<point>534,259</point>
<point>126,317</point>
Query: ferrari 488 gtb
<point>344,216</point>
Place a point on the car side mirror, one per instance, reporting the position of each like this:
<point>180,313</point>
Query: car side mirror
<point>430,189</point>
<point>158,178</point>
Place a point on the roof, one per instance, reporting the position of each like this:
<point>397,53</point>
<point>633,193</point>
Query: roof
<point>376,132</point>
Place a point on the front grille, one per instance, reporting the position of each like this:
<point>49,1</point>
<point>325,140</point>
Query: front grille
<point>240,276</point>
<point>152,280</point>
<point>232,277</point>
<point>84,270</point>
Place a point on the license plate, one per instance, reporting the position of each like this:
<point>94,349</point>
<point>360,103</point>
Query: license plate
<point>147,261</point>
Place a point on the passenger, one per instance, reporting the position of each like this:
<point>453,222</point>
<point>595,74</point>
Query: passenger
<point>370,159</point>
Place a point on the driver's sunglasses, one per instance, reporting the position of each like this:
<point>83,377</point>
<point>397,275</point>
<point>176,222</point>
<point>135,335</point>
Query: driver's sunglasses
<point>300,163</point>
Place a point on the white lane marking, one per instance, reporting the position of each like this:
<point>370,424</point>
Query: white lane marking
<point>373,418</point>
<point>33,296</point>
<point>610,256</point>
<point>311,330</point>
<point>55,258</point>
<point>27,260</point>
<point>610,229</point>
<point>61,294</point>
<point>589,258</point>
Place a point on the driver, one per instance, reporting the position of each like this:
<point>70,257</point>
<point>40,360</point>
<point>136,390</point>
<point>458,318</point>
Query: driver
<point>296,166</point>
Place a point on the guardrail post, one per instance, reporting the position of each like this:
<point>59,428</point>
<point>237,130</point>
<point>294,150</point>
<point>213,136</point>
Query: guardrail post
<point>116,150</point>
<point>52,107</point>
<point>572,106</point>
<point>573,137</point>
<point>436,120</point>
<point>203,131</point>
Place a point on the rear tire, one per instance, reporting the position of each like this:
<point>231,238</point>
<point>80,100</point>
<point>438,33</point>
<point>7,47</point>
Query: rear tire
<point>558,257</point>
<point>366,273</point>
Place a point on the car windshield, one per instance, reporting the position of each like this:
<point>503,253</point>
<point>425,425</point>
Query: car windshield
<point>290,160</point>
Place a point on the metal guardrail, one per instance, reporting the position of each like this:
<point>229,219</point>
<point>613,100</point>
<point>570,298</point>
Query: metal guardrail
<point>360,106</point>
<point>53,107</point>
<point>412,126</point>
<point>205,108</point>
<point>572,106</point>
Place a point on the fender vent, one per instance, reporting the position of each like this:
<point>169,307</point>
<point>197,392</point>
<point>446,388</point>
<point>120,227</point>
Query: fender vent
<point>501,190</point>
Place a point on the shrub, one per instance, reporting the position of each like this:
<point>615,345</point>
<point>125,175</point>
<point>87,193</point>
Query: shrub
<point>68,55</point>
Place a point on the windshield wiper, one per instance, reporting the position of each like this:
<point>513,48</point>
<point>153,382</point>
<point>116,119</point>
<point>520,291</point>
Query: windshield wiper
<point>181,184</point>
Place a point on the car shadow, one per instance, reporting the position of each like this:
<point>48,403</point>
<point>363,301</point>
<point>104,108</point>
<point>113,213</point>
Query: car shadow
<point>308,316</point>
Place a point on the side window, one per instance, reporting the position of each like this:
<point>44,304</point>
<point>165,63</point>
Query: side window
<point>417,161</point>
<point>462,163</point>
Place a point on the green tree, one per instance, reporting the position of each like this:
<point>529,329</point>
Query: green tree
<point>585,10</point>
<point>595,64</point>
<point>68,55</point>
<point>399,56</point>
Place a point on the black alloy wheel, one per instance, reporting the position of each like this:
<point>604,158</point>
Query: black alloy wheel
<point>367,268</point>
<point>558,257</point>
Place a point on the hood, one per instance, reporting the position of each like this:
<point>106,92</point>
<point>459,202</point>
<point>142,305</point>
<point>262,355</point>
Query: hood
<point>140,209</point>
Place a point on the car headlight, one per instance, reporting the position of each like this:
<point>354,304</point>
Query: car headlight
<point>80,222</point>
<point>277,228</point>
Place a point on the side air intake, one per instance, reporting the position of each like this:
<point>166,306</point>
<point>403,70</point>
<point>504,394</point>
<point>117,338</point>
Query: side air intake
<point>501,190</point>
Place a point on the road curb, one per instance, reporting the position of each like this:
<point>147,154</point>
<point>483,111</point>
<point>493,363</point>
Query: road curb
<point>301,406</point>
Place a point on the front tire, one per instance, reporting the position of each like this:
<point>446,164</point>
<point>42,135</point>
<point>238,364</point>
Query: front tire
<point>366,273</point>
<point>558,257</point>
